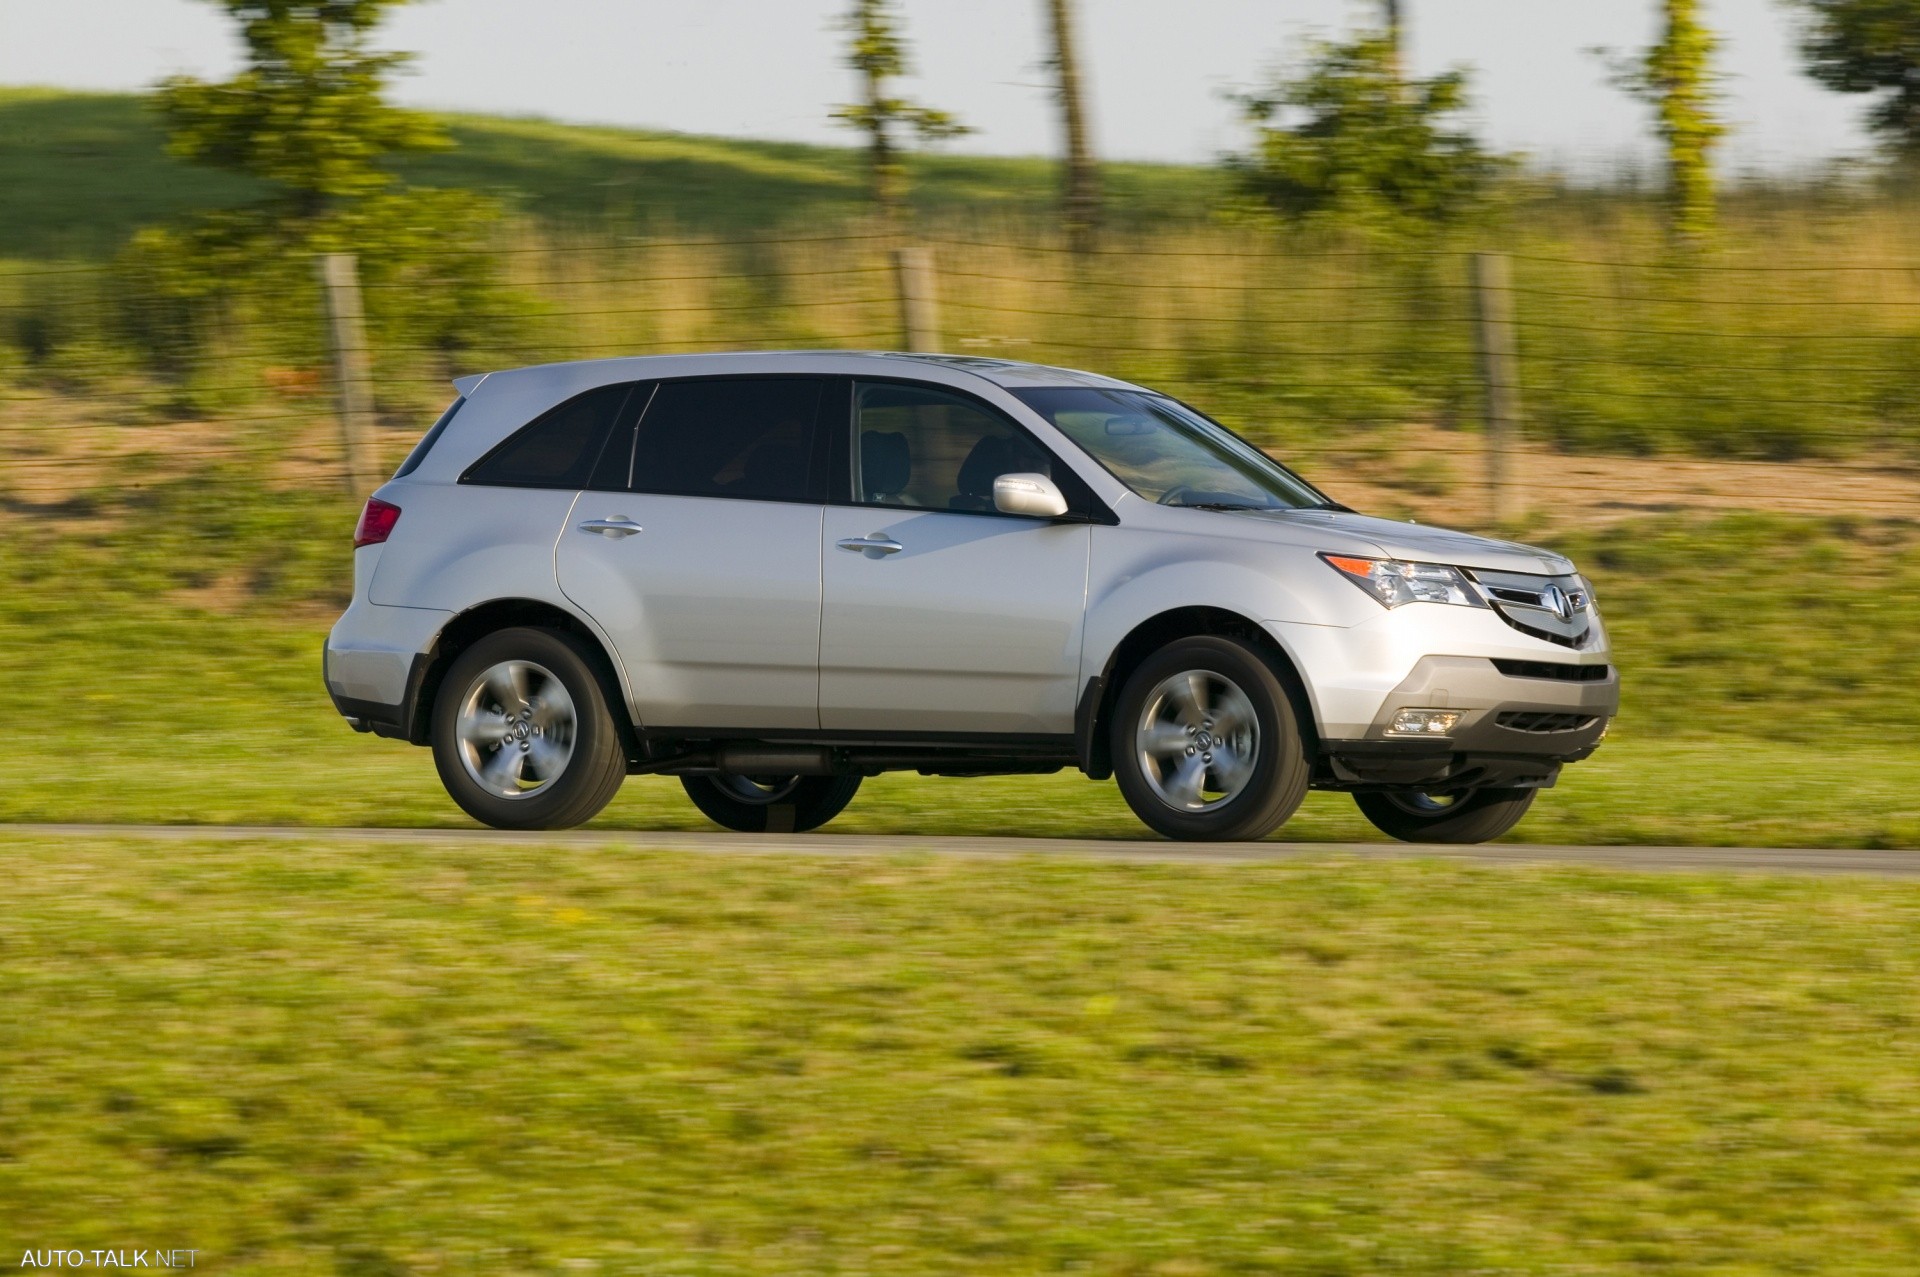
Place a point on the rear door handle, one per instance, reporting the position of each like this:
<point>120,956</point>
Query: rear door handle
<point>618,526</point>
<point>876,545</point>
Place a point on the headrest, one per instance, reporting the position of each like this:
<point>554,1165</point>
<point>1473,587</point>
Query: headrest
<point>886,463</point>
<point>994,456</point>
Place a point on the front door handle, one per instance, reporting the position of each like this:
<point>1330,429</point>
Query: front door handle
<point>616,527</point>
<point>876,545</point>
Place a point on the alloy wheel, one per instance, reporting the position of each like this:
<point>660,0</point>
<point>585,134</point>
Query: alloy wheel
<point>516,729</point>
<point>1198,740</point>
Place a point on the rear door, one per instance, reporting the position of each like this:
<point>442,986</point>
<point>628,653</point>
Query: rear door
<point>697,548</point>
<point>940,614</point>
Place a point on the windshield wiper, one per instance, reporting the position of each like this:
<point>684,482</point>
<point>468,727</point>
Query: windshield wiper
<point>1221,505</point>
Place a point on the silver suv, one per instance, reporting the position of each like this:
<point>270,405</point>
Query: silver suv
<point>772,575</point>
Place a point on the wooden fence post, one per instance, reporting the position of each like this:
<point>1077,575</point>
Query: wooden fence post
<point>1499,376</point>
<point>353,375</point>
<point>919,307</point>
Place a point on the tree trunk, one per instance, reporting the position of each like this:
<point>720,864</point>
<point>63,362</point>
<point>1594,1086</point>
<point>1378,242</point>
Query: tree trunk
<point>1394,18</point>
<point>1081,191</point>
<point>884,166</point>
<point>1680,73</point>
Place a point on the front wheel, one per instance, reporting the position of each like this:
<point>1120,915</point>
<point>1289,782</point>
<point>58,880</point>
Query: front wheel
<point>1205,743</point>
<point>770,804</point>
<point>1479,815</point>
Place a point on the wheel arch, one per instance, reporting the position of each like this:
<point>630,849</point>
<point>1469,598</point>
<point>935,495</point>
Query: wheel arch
<point>1149,636</point>
<point>490,617</point>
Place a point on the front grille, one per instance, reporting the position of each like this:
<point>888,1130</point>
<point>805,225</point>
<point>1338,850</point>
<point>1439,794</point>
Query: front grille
<point>1552,608</point>
<point>1539,721</point>
<point>1552,669</point>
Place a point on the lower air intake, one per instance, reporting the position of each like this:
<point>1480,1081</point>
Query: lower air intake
<point>1539,721</point>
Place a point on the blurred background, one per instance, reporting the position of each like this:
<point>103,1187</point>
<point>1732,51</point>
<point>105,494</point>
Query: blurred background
<point>1640,281</point>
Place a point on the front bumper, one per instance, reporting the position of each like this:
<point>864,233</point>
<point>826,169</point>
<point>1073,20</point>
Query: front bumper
<point>1521,721</point>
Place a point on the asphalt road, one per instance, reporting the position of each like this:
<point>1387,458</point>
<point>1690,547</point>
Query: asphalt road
<point>1795,860</point>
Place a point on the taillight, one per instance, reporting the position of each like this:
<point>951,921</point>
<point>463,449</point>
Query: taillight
<point>376,523</point>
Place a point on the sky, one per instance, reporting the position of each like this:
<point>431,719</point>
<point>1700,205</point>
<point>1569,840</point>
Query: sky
<point>1159,69</point>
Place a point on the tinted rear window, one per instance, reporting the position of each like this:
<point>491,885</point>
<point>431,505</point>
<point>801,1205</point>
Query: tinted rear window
<point>558,449</point>
<point>747,438</point>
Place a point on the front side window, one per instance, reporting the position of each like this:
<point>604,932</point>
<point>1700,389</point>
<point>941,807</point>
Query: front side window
<point>557,449</point>
<point>747,438</point>
<point>923,448</point>
<point>1168,453</point>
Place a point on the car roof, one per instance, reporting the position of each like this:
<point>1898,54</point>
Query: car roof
<point>1007,373</point>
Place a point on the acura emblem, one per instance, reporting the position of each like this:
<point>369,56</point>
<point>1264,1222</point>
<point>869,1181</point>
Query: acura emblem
<point>1557,601</point>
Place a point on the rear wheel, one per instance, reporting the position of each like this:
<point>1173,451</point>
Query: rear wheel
<point>522,735</point>
<point>1479,815</point>
<point>1205,743</point>
<point>770,804</point>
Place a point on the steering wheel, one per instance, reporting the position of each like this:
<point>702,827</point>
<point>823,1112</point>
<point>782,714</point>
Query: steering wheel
<point>1172,495</point>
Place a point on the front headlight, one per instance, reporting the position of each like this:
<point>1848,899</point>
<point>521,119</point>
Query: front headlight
<point>1586,590</point>
<point>1392,582</point>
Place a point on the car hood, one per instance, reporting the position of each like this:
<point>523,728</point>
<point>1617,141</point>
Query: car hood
<point>1422,543</point>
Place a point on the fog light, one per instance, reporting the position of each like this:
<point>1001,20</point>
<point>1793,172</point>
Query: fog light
<point>1423,722</point>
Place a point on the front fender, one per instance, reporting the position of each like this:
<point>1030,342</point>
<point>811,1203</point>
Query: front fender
<point>1136,577</point>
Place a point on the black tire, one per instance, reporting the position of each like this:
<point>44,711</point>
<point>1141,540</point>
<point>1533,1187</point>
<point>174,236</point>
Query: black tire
<point>1479,815</point>
<point>1250,802</point>
<point>771,804</point>
<point>579,784</point>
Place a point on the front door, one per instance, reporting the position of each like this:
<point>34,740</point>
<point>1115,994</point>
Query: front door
<point>700,557</point>
<point>938,613</point>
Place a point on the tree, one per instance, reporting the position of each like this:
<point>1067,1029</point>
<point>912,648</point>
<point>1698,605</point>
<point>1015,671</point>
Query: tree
<point>1870,46</point>
<point>1081,193</point>
<point>1393,22</point>
<point>1676,78</point>
<point>308,114</point>
<point>1351,140</point>
<point>308,117</point>
<point>879,53</point>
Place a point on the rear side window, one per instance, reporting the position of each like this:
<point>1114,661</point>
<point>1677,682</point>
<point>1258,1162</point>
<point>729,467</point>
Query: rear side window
<point>746,438</point>
<point>557,449</point>
<point>427,440</point>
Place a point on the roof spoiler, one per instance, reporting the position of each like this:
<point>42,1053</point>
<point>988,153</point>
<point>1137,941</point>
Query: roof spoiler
<point>467,385</point>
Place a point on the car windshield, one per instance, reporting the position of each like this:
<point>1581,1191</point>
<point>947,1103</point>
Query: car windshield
<point>1168,453</point>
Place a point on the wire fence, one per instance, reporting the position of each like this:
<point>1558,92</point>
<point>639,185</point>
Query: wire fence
<point>1664,381</point>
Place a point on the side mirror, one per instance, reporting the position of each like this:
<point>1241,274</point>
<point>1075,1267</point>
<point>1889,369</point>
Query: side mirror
<point>1033,495</point>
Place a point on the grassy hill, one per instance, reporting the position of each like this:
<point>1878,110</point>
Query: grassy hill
<point>80,172</point>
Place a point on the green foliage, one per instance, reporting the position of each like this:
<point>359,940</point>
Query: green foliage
<point>878,52</point>
<point>1676,78</point>
<point>308,119</point>
<point>1623,345</point>
<point>308,113</point>
<point>1870,46</point>
<point>1349,141</point>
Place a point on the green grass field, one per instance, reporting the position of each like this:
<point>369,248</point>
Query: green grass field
<point>504,1060</point>
<point>175,677</point>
